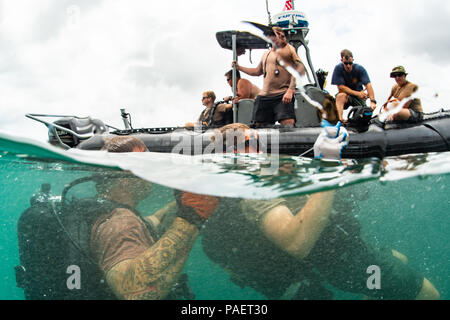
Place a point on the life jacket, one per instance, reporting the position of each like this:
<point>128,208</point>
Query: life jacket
<point>54,237</point>
<point>225,119</point>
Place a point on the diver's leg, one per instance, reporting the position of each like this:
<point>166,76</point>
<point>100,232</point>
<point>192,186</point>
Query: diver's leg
<point>428,291</point>
<point>400,256</point>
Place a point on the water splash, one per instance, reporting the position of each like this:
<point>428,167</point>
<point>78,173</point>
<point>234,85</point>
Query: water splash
<point>251,176</point>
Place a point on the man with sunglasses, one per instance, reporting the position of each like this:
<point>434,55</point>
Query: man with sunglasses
<point>215,114</point>
<point>351,78</point>
<point>412,111</point>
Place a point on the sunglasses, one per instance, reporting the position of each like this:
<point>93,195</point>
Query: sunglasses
<point>203,98</point>
<point>348,63</point>
<point>229,79</point>
<point>395,75</point>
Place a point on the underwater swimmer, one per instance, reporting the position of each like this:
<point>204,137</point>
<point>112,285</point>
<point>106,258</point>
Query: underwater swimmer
<point>136,266</point>
<point>271,245</point>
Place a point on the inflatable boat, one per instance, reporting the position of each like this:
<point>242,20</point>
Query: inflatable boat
<point>374,140</point>
<point>391,139</point>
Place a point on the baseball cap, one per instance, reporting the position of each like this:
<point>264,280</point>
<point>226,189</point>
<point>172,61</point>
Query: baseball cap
<point>398,69</point>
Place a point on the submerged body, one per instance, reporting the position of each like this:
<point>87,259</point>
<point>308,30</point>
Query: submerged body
<point>390,214</point>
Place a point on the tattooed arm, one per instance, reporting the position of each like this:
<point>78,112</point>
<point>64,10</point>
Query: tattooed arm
<point>152,274</point>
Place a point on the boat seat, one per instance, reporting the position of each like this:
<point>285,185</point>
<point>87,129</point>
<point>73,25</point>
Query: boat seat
<point>306,113</point>
<point>85,127</point>
<point>245,111</point>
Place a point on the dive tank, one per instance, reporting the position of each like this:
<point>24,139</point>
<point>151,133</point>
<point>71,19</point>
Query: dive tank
<point>43,195</point>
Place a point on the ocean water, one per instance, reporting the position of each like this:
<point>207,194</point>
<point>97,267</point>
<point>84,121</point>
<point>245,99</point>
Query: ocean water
<point>401,202</point>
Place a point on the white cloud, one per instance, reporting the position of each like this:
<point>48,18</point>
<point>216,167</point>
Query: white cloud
<point>95,57</point>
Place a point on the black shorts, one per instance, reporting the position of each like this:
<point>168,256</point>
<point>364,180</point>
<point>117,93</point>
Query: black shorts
<point>415,117</point>
<point>343,259</point>
<point>354,101</point>
<point>269,110</point>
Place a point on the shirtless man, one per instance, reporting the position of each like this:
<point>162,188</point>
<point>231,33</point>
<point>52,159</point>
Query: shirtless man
<point>412,111</point>
<point>244,88</point>
<point>275,102</point>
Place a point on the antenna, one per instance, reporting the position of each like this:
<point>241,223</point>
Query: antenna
<point>268,12</point>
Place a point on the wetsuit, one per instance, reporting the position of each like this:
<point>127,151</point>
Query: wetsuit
<point>232,238</point>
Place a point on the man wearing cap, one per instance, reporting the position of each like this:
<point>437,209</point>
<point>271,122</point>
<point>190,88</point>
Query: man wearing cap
<point>351,78</point>
<point>412,111</point>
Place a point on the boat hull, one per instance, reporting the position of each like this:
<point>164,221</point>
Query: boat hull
<point>433,135</point>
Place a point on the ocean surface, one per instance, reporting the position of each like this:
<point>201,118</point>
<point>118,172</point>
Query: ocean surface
<point>401,203</point>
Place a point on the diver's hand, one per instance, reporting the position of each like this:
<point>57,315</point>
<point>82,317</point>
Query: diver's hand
<point>331,142</point>
<point>195,208</point>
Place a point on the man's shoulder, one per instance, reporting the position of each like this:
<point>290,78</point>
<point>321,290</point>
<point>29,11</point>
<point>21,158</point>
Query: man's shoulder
<point>409,89</point>
<point>339,67</point>
<point>358,68</point>
<point>412,86</point>
<point>223,107</point>
<point>338,77</point>
<point>265,54</point>
<point>117,216</point>
<point>292,49</point>
<point>256,209</point>
<point>244,82</point>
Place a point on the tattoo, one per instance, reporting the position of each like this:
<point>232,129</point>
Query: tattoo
<point>153,274</point>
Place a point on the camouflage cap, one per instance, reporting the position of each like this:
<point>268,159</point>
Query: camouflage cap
<point>398,69</point>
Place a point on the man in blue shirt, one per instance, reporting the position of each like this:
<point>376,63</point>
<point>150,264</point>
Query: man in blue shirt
<point>351,78</point>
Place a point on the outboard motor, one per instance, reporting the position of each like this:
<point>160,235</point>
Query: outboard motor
<point>77,129</point>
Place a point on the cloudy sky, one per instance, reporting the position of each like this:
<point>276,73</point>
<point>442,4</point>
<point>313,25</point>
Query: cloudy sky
<point>155,58</point>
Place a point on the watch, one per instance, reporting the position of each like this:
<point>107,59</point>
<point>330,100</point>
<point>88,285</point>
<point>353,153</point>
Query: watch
<point>374,101</point>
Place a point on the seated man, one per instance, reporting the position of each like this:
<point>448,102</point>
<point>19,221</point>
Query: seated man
<point>350,78</point>
<point>412,111</point>
<point>244,88</point>
<point>216,114</point>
